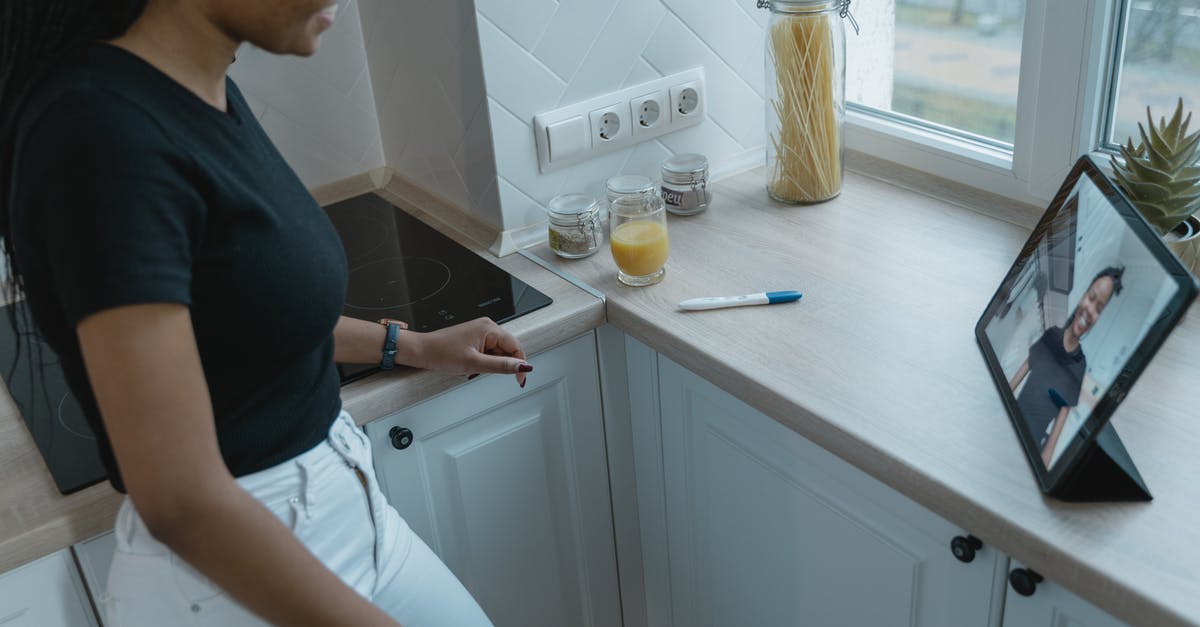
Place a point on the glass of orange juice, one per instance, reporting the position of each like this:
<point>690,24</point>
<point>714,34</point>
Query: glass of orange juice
<point>638,230</point>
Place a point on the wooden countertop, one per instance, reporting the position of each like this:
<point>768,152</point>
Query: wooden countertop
<point>878,364</point>
<point>35,519</point>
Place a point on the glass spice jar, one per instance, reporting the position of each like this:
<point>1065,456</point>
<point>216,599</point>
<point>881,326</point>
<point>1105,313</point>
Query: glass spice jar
<point>806,98</point>
<point>626,187</point>
<point>685,184</point>
<point>575,230</point>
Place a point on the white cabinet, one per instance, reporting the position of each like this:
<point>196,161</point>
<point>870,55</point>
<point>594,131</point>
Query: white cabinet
<point>45,593</point>
<point>94,557</point>
<point>1051,605</point>
<point>509,487</point>
<point>764,528</point>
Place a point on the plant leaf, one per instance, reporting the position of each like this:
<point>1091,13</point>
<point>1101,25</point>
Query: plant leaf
<point>1143,171</point>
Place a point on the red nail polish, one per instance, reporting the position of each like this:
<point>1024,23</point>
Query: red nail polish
<point>525,368</point>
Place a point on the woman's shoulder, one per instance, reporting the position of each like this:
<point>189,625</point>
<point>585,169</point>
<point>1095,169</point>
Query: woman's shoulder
<point>90,91</point>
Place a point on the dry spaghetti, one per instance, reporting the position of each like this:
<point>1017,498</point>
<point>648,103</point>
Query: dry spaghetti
<point>808,105</point>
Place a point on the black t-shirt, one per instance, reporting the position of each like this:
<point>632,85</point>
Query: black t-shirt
<point>131,189</point>
<point>1051,367</point>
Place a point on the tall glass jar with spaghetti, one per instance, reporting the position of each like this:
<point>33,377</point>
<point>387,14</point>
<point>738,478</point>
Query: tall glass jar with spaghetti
<point>806,98</point>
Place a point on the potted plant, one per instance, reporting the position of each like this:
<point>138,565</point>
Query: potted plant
<point>1161,176</point>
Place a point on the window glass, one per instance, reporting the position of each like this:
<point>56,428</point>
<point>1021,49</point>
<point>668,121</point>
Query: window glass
<point>949,63</point>
<point>1159,63</point>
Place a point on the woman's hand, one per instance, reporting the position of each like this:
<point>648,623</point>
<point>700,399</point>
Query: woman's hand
<point>470,348</point>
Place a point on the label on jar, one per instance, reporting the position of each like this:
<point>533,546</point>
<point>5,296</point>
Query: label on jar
<point>681,200</point>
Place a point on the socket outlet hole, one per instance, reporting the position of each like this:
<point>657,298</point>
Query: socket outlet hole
<point>648,115</point>
<point>688,101</point>
<point>610,125</point>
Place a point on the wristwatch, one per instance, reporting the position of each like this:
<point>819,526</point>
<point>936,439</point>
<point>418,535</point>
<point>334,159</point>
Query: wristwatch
<point>388,360</point>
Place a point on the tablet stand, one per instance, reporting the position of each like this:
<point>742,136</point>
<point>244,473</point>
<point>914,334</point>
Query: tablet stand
<point>1106,473</point>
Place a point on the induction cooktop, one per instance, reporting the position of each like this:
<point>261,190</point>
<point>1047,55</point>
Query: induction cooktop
<point>400,268</point>
<point>38,386</point>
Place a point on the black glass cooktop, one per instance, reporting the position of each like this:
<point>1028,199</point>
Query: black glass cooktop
<point>400,268</point>
<point>38,387</point>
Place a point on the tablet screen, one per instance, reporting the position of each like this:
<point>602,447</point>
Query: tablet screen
<point>1087,289</point>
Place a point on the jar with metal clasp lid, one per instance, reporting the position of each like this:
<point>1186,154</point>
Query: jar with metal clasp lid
<point>806,98</point>
<point>575,230</point>
<point>685,184</point>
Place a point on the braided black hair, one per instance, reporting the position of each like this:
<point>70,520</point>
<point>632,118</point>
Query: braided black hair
<point>34,34</point>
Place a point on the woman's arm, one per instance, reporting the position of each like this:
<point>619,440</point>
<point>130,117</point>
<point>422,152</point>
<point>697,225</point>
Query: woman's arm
<point>145,370</point>
<point>1019,376</point>
<point>1059,421</point>
<point>467,348</point>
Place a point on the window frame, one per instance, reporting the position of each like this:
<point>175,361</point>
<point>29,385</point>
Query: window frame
<point>1067,74</point>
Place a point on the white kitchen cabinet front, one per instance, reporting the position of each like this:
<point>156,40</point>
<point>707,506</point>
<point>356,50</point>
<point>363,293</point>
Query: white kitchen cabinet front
<point>45,593</point>
<point>1051,605</point>
<point>509,487</point>
<point>765,528</point>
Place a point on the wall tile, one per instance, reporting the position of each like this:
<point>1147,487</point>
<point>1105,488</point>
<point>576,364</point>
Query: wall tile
<point>524,21</point>
<point>516,158</point>
<point>707,139</point>
<point>316,110</point>
<point>721,25</point>
<point>571,33</point>
<point>427,75</point>
<point>514,77</point>
<point>616,49</point>
<point>641,72</point>
<point>518,207</point>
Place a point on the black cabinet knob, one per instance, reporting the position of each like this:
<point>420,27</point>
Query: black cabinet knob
<point>964,548</point>
<point>401,437</point>
<point>1024,581</point>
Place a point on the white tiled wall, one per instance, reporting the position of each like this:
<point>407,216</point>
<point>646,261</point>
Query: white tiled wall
<point>429,92</point>
<point>444,92</point>
<point>320,111</point>
<point>541,54</point>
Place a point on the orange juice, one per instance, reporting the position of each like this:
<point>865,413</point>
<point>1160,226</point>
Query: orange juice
<point>640,247</point>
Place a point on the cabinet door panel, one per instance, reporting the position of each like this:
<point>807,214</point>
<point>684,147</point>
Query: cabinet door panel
<point>510,488</point>
<point>766,528</point>
<point>45,593</point>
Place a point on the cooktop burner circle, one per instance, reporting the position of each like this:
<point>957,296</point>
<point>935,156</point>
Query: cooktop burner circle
<point>396,282</point>
<point>72,419</point>
<point>362,235</point>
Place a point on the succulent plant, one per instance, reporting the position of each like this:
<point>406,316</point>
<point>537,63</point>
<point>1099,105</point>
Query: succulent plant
<point>1161,175</point>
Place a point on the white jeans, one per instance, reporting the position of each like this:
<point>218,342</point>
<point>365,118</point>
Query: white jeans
<point>352,530</point>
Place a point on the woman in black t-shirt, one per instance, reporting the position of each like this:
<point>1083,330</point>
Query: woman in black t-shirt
<point>1053,371</point>
<point>192,288</point>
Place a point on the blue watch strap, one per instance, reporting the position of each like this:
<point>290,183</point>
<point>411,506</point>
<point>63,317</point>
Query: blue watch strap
<point>389,347</point>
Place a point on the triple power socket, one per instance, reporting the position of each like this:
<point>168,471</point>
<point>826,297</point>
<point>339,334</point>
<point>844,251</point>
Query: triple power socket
<point>587,129</point>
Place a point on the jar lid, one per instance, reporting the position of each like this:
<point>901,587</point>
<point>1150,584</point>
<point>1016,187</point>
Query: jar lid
<point>630,184</point>
<point>686,163</point>
<point>572,206</point>
<point>801,5</point>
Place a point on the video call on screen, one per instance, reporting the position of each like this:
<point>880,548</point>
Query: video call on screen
<point>1086,296</point>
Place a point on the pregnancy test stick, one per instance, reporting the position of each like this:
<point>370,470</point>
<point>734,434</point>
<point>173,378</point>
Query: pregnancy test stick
<point>761,298</point>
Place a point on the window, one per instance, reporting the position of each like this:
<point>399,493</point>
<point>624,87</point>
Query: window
<point>1004,95</point>
<point>1157,63</point>
<point>956,64</point>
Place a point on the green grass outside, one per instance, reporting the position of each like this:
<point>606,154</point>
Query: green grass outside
<point>969,114</point>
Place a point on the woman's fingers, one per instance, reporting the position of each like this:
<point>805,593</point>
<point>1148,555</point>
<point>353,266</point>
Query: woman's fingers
<point>500,343</point>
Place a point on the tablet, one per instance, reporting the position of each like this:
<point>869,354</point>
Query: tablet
<point>1088,301</point>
